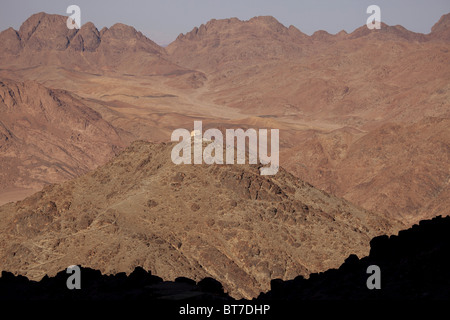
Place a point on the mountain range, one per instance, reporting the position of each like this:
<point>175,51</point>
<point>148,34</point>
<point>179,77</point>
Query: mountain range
<point>331,96</point>
<point>85,123</point>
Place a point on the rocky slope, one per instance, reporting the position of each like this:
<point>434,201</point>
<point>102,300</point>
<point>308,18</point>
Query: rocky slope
<point>220,221</point>
<point>412,267</point>
<point>49,136</point>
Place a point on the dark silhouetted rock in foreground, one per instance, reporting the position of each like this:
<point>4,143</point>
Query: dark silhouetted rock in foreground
<point>139,285</point>
<point>414,265</point>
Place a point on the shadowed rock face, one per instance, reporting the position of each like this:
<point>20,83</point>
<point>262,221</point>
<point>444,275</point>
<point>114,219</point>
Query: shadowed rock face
<point>222,221</point>
<point>45,32</point>
<point>138,285</point>
<point>86,39</point>
<point>49,135</point>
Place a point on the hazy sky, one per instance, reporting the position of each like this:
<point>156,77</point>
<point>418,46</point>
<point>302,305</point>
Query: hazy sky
<point>163,21</point>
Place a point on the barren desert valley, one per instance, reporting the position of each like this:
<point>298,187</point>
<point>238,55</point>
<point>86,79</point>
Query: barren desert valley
<point>86,118</point>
